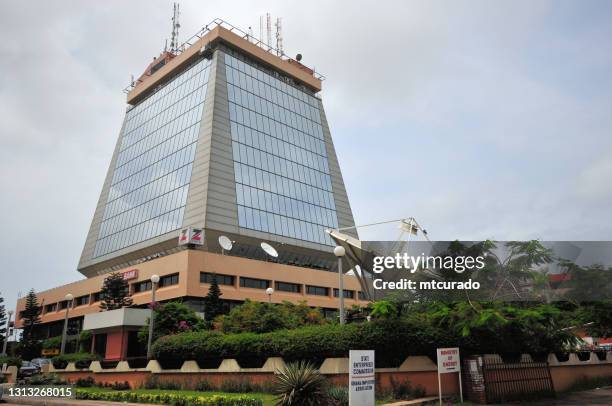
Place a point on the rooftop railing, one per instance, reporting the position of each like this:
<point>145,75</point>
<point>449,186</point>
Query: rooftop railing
<point>217,22</point>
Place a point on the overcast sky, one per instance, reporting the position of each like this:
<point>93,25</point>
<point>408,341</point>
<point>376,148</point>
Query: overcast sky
<point>481,119</point>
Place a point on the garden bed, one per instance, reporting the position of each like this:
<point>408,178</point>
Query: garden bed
<point>175,397</point>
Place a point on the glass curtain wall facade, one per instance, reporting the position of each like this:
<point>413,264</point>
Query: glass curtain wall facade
<point>152,171</point>
<point>283,184</point>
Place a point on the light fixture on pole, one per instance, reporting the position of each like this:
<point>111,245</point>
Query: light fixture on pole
<point>339,252</point>
<point>269,292</point>
<point>68,298</point>
<point>6,334</point>
<point>154,282</point>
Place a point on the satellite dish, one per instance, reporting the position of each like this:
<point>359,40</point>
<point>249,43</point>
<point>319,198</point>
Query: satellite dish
<point>270,250</point>
<point>298,57</point>
<point>225,243</point>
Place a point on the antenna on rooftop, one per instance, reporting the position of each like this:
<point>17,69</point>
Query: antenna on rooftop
<point>261,26</point>
<point>269,29</point>
<point>225,243</point>
<point>279,37</point>
<point>175,29</point>
<point>268,249</point>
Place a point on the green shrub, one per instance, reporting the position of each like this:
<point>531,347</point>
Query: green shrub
<point>49,379</point>
<point>168,385</point>
<point>85,338</point>
<point>121,386</point>
<point>337,396</point>
<point>153,382</point>
<point>419,392</point>
<point>175,399</point>
<point>203,386</point>
<point>14,361</point>
<point>532,330</point>
<point>238,386</point>
<point>258,317</point>
<point>401,390</point>
<point>171,318</point>
<point>392,340</point>
<point>81,360</point>
<point>85,382</point>
<point>299,384</point>
<point>53,343</point>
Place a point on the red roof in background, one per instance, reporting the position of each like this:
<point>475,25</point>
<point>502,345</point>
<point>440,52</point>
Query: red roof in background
<point>559,277</point>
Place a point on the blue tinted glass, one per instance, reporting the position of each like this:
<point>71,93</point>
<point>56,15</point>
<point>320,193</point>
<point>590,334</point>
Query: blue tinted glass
<point>153,167</point>
<point>282,177</point>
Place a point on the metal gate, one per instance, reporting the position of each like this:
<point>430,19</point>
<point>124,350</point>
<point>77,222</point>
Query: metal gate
<point>488,379</point>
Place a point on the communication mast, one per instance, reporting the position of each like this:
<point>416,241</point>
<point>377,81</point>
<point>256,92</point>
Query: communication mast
<point>279,37</point>
<point>261,26</point>
<point>175,29</point>
<point>269,28</point>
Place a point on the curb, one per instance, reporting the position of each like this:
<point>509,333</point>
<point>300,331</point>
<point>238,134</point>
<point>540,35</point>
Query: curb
<point>65,402</point>
<point>413,402</point>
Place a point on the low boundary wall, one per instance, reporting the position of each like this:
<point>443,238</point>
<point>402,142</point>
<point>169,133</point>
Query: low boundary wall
<point>418,370</point>
<point>9,372</point>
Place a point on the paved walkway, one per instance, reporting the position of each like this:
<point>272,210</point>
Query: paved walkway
<point>414,402</point>
<point>594,397</point>
<point>61,402</point>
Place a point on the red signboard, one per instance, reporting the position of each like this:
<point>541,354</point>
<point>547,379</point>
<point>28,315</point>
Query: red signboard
<point>131,274</point>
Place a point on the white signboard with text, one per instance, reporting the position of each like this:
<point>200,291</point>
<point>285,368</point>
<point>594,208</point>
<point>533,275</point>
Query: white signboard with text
<point>362,378</point>
<point>448,362</point>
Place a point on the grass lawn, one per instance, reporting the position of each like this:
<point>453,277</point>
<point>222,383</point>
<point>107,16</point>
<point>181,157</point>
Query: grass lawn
<point>267,398</point>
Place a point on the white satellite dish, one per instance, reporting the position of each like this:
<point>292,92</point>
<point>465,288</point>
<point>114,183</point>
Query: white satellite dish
<point>225,243</point>
<point>270,250</point>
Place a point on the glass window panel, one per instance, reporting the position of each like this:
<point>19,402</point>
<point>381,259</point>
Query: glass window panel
<point>150,168</point>
<point>280,146</point>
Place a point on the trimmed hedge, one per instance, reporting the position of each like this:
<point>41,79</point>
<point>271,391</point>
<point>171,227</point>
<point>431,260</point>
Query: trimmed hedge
<point>53,343</point>
<point>168,398</point>
<point>10,361</point>
<point>81,360</point>
<point>392,340</point>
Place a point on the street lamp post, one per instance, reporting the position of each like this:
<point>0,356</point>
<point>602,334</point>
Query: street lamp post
<point>68,298</point>
<point>6,335</point>
<point>154,282</point>
<point>339,252</point>
<point>269,292</point>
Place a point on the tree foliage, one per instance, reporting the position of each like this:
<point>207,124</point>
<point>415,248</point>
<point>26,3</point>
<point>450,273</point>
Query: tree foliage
<point>172,318</point>
<point>115,293</point>
<point>384,309</point>
<point>212,301</point>
<point>30,346</point>
<point>260,317</point>
<point>506,327</point>
<point>2,321</point>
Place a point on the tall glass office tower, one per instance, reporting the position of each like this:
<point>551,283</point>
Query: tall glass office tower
<point>224,136</point>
